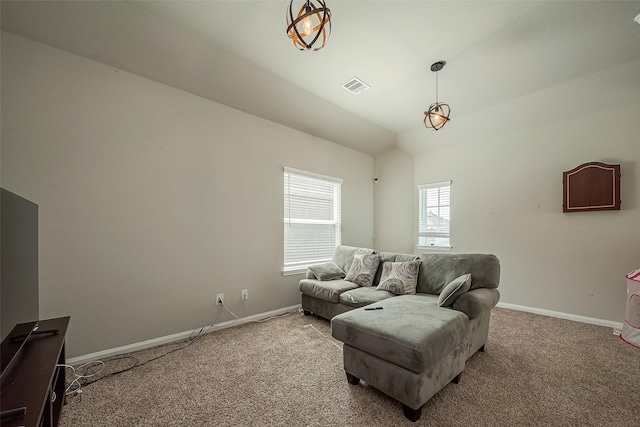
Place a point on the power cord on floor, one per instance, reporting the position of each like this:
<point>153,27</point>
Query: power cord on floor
<point>213,325</point>
<point>75,387</point>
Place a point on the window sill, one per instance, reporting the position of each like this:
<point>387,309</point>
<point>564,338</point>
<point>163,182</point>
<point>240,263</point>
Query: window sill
<point>294,272</point>
<point>434,248</point>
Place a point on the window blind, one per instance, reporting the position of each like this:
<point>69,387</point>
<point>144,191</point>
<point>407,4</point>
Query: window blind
<point>434,214</point>
<point>312,223</point>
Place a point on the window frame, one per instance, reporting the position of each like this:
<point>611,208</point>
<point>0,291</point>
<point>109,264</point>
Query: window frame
<point>422,189</point>
<point>336,221</point>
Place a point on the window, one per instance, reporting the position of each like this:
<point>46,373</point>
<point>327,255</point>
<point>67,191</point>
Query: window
<point>434,215</point>
<point>311,218</point>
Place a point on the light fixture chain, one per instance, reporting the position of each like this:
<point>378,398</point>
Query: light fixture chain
<point>436,87</point>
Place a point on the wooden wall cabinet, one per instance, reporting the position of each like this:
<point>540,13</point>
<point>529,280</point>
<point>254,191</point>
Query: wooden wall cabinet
<point>591,186</point>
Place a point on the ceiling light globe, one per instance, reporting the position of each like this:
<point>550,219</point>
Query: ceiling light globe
<point>436,116</point>
<point>310,27</point>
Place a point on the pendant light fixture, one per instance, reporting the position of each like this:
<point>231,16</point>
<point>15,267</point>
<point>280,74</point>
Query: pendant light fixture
<point>438,113</point>
<point>311,26</point>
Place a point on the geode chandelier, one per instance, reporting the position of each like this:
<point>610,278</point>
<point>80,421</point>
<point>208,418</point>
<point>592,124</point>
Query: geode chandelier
<point>438,113</point>
<point>310,28</point>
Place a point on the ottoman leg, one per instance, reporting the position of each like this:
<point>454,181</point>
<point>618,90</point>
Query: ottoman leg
<point>353,380</point>
<point>306,313</point>
<point>456,379</point>
<point>412,414</point>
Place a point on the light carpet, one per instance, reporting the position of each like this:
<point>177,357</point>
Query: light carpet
<point>536,371</point>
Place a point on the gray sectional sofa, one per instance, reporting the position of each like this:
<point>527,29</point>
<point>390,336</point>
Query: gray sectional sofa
<point>408,345</point>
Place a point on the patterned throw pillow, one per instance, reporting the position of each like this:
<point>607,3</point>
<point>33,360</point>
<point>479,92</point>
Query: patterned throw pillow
<point>399,277</point>
<point>363,269</point>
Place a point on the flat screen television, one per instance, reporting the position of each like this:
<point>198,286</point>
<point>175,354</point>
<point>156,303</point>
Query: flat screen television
<point>18,272</point>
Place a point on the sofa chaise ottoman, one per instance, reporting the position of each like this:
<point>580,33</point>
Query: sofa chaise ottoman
<point>410,349</point>
<point>410,346</point>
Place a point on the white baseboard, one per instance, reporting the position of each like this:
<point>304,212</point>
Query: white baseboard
<point>175,337</point>
<point>616,326</point>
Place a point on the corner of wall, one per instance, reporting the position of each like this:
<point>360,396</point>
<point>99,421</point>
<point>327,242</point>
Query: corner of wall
<point>393,201</point>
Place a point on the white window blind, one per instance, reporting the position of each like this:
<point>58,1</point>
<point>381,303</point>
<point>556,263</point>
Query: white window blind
<point>434,215</point>
<point>311,218</point>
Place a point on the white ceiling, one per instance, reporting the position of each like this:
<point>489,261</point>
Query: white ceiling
<point>237,53</point>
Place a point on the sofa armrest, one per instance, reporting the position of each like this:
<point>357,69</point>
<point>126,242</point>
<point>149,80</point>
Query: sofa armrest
<point>476,302</point>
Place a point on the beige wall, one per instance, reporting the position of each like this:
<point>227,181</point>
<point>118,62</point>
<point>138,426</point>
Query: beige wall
<point>152,200</point>
<point>394,200</point>
<point>507,194</point>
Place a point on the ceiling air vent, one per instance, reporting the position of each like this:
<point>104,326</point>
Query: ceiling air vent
<point>356,86</point>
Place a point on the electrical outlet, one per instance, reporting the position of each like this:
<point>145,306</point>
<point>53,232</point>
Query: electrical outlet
<point>245,294</point>
<point>219,299</point>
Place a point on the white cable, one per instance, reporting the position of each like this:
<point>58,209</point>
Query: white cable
<point>74,386</point>
<point>202,331</point>
<point>274,317</point>
<point>325,336</point>
<point>232,313</point>
<point>213,325</point>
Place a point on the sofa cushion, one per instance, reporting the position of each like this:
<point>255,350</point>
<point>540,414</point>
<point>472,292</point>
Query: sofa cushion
<point>399,277</point>
<point>405,257</point>
<point>437,270</point>
<point>363,268</point>
<point>360,297</point>
<point>328,291</point>
<point>454,289</point>
<point>410,331</point>
<point>327,271</point>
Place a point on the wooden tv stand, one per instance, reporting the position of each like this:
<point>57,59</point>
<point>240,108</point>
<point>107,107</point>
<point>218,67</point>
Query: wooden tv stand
<point>35,382</point>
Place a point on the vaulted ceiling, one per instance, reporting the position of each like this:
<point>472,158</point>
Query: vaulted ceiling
<point>237,53</point>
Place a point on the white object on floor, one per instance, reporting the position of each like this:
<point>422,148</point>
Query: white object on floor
<point>631,325</point>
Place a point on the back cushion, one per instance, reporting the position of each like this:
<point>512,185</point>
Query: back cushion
<point>437,270</point>
<point>343,256</point>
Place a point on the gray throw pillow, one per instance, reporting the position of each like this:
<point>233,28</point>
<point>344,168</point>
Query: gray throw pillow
<point>399,277</point>
<point>327,271</point>
<point>454,289</point>
<point>363,269</point>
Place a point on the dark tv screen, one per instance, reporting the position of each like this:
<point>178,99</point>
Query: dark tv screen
<point>18,261</point>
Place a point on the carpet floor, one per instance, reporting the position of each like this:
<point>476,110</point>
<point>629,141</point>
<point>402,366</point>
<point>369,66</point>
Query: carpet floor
<point>536,371</point>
